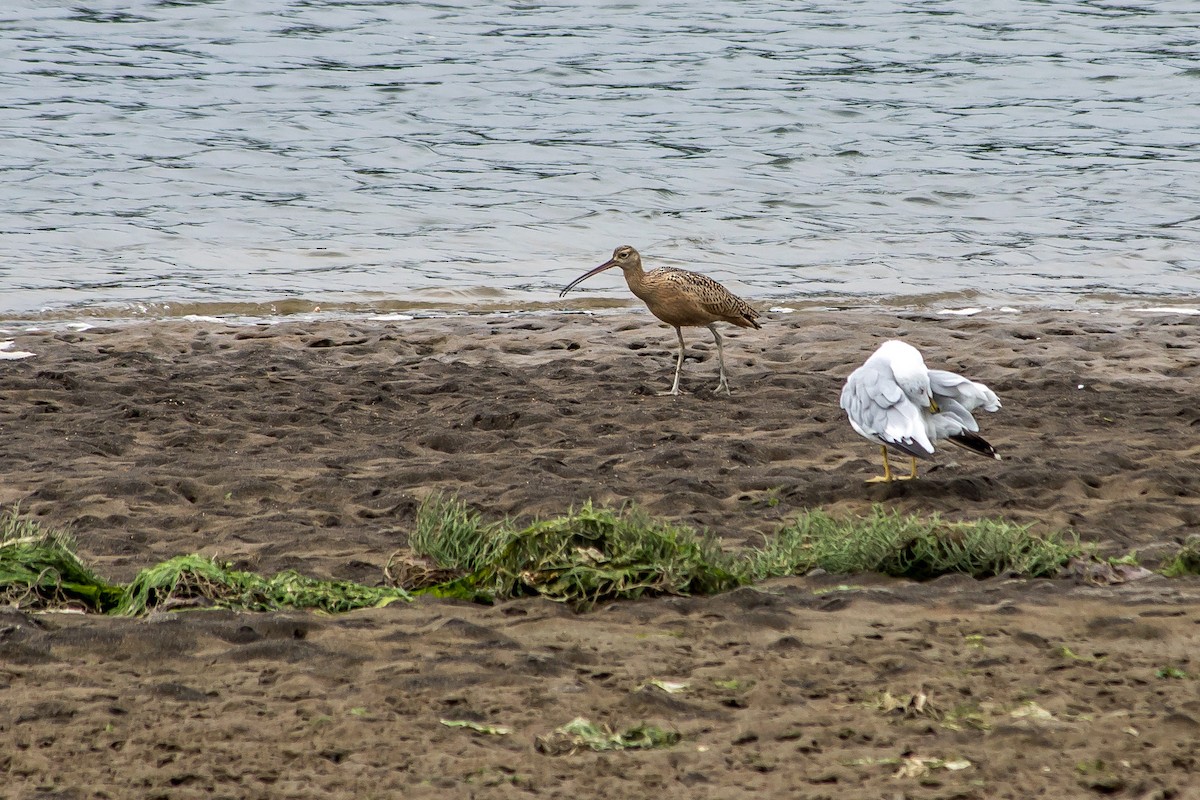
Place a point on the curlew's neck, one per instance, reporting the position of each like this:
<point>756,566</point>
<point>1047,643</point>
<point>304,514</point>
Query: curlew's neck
<point>635,277</point>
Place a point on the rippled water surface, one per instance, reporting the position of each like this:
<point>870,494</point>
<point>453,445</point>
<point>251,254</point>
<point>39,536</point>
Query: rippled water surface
<point>200,155</point>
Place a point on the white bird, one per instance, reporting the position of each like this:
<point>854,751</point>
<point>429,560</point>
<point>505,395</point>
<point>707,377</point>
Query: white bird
<point>895,400</point>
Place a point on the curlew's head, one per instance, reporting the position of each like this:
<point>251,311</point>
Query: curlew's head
<point>624,257</point>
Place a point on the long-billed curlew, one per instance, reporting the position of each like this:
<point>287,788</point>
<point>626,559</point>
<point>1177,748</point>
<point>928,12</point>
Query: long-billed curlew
<point>679,298</point>
<point>895,400</point>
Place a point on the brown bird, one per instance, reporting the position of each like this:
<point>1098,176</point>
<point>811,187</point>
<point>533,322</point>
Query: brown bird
<point>679,298</point>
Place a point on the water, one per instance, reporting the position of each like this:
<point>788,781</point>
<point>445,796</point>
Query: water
<point>200,157</point>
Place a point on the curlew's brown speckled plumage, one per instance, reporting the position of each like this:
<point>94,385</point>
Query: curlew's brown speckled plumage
<point>680,298</point>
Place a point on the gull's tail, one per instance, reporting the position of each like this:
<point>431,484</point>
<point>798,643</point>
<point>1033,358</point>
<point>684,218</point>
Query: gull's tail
<point>975,443</point>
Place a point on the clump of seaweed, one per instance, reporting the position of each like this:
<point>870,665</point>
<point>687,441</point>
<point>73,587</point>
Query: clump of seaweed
<point>585,557</point>
<point>909,546</point>
<point>40,571</point>
<point>452,535</point>
<point>583,734</point>
<point>192,580</point>
<point>1186,561</point>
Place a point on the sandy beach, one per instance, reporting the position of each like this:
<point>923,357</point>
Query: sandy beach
<point>310,445</point>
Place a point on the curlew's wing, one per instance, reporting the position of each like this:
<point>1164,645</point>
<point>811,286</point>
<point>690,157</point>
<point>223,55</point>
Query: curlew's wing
<point>879,411</point>
<point>710,296</point>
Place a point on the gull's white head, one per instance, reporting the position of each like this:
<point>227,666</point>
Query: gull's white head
<point>909,370</point>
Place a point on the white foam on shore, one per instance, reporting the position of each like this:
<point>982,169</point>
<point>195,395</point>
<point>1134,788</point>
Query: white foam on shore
<point>8,354</point>
<point>1172,310</point>
<point>781,310</point>
<point>972,311</point>
<point>391,318</point>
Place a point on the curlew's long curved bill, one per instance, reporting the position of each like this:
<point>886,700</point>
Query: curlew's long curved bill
<point>606,265</point>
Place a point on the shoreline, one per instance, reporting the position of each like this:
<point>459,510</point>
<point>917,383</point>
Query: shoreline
<point>451,305</point>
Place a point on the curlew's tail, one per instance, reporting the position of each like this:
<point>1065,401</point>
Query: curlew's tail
<point>975,443</point>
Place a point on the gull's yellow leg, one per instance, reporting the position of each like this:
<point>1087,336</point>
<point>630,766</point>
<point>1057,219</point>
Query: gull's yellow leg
<point>886,477</point>
<point>913,476</point>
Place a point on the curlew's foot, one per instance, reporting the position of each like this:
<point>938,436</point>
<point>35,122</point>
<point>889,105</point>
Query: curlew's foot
<point>670,393</point>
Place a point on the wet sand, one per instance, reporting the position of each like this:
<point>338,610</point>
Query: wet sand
<point>309,446</point>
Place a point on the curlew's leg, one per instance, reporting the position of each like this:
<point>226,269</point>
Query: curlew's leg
<point>678,365</point>
<point>722,384</point>
<point>886,477</point>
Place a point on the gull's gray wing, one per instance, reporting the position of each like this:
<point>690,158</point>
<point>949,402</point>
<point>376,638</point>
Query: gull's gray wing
<point>879,411</point>
<point>956,398</point>
<point>968,393</point>
<point>952,417</point>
